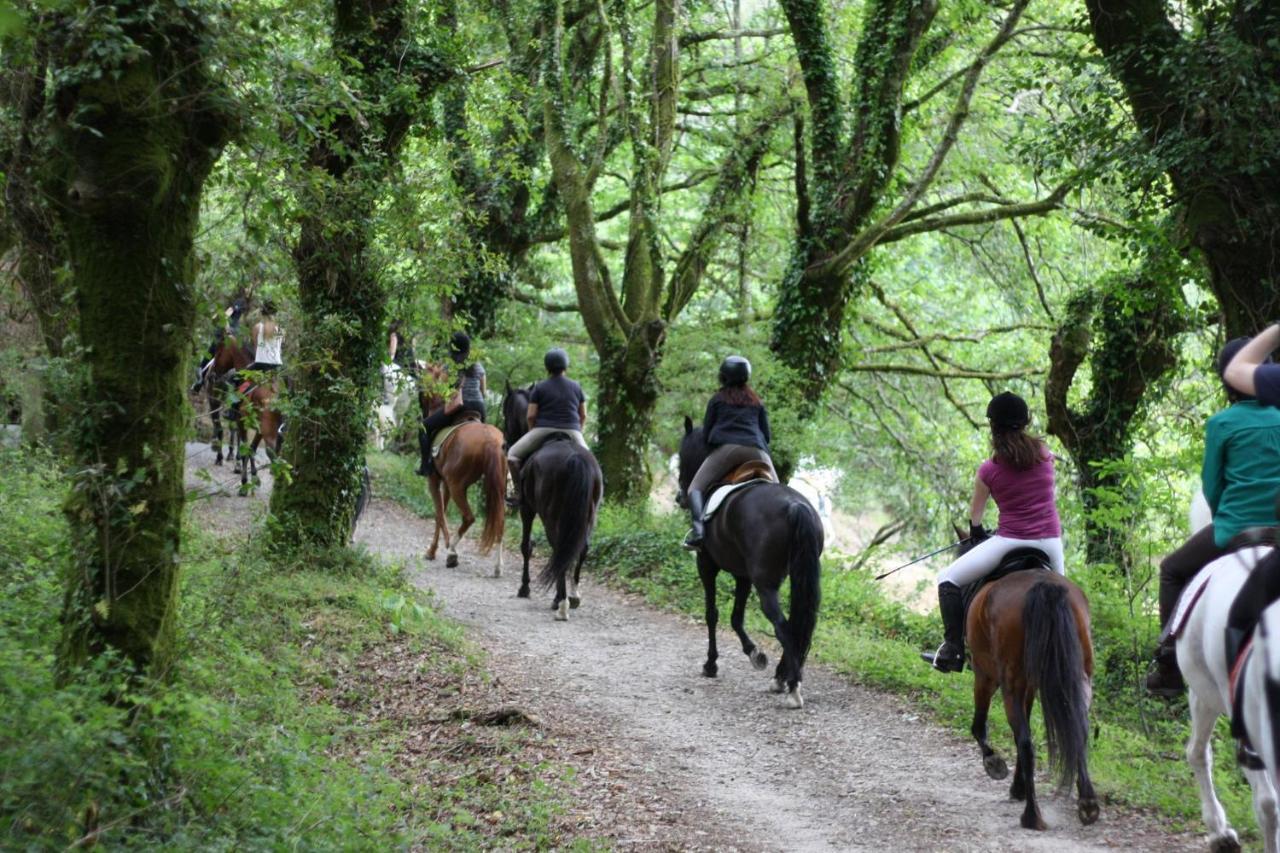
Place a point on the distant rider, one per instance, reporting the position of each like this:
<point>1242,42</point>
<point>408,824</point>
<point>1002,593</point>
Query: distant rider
<point>736,428</point>
<point>557,405</point>
<point>230,326</point>
<point>1240,477</point>
<point>1019,475</point>
<point>472,385</point>
<point>268,341</point>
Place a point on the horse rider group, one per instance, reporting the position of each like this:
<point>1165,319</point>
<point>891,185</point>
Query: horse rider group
<point>266,334</point>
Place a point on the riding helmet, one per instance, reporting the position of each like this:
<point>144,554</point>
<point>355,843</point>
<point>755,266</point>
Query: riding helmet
<point>1008,411</point>
<point>735,370</point>
<point>459,346</point>
<point>556,360</point>
<point>1228,352</point>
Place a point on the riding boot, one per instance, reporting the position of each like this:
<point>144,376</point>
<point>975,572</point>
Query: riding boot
<point>693,541</point>
<point>950,655</point>
<point>1166,678</point>
<point>513,466</point>
<point>1234,642</point>
<point>424,449</point>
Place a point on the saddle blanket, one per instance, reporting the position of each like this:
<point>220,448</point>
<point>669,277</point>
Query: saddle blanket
<point>443,435</point>
<point>718,496</point>
<point>1191,595</point>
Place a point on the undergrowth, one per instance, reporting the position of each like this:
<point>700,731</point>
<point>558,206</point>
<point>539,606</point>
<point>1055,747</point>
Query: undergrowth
<point>269,733</point>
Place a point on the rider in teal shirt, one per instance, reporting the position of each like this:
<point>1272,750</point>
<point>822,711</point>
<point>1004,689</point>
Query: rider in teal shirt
<point>1243,494</point>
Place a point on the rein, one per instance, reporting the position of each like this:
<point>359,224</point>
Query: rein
<point>925,557</point>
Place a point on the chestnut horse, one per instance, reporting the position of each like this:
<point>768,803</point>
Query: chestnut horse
<point>473,451</point>
<point>230,357</point>
<point>1028,633</point>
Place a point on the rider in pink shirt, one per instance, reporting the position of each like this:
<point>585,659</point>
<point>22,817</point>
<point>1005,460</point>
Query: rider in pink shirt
<point>1019,475</point>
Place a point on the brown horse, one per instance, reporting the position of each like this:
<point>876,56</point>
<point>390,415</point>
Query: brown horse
<point>470,453</point>
<point>1028,633</point>
<point>229,357</point>
<point>267,422</point>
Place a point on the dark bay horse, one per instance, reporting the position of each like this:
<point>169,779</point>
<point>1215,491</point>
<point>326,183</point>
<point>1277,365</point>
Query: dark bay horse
<point>1028,633</point>
<point>760,534</point>
<point>562,484</point>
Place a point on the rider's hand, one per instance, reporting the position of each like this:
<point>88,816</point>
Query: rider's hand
<point>977,532</point>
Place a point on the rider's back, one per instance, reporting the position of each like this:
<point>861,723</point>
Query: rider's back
<point>1241,472</point>
<point>558,399</point>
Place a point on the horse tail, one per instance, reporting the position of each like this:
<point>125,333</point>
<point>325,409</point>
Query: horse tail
<point>495,491</point>
<point>1054,664</point>
<point>571,503</point>
<point>805,569</point>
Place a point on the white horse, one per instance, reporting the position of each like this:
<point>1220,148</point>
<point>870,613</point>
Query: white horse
<point>1202,659</point>
<point>397,396</point>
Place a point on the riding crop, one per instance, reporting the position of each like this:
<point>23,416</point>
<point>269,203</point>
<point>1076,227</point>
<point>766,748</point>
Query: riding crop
<point>925,557</point>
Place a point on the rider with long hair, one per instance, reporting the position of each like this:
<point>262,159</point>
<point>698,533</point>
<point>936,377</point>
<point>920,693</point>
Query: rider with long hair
<point>736,428</point>
<point>1240,477</point>
<point>268,339</point>
<point>1019,475</point>
<point>556,406</point>
<point>468,397</point>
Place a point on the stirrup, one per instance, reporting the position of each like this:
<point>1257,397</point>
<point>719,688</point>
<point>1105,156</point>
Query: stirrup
<point>692,542</point>
<point>943,664</point>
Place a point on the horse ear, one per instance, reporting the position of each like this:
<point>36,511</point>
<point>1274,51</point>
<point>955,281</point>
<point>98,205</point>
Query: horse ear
<point>960,534</point>
<point>688,424</point>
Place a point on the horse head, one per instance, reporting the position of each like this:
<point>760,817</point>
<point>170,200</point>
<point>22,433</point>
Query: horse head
<point>515,412</point>
<point>693,451</point>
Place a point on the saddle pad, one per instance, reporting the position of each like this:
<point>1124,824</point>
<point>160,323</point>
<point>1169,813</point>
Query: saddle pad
<point>443,436</point>
<point>719,495</point>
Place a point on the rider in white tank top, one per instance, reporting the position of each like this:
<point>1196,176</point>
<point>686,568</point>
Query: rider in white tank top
<point>267,353</point>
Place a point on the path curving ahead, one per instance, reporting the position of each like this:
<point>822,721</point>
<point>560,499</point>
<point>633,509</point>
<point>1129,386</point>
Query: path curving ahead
<point>855,769</point>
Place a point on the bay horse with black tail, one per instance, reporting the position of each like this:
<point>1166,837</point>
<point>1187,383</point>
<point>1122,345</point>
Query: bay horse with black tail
<point>228,355</point>
<point>561,483</point>
<point>761,534</point>
<point>1028,634</point>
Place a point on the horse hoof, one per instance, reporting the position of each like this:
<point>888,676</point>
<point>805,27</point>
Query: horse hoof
<point>777,686</point>
<point>218,462</point>
<point>497,573</point>
<point>995,767</point>
<point>1088,811</point>
<point>759,659</point>
<point>562,612</point>
<point>1228,843</point>
<point>523,592</point>
<point>575,602</point>
<point>794,700</point>
<point>451,562</point>
<point>709,669</point>
<point>431,555</point>
<point>1033,821</point>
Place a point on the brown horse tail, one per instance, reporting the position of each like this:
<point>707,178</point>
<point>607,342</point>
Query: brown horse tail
<point>1054,665</point>
<point>495,491</point>
<point>805,568</point>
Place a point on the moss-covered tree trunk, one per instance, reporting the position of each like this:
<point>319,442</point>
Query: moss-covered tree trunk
<point>1206,95</point>
<point>137,135</point>
<point>1126,330</point>
<point>352,156</point>
<point>628,385</point>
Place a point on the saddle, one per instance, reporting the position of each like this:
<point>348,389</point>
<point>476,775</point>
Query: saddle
<point>460,420</point>
<point>1017,560</point>
<point>747,474</point>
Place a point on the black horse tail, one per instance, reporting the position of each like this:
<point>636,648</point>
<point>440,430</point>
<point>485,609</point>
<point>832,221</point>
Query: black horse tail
<point>805,568</point>
<point>1054,664</point>
<point>495,492</point>
<point>571,502</point>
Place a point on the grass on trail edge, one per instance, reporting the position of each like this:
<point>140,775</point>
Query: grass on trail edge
<point>300,682</point>
<point>1136,757</point>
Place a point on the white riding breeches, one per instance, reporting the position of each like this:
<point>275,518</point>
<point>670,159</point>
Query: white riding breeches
<point>985,556</point>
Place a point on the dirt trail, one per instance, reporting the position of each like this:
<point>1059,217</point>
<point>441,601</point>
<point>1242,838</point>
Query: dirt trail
<point>855,770</point>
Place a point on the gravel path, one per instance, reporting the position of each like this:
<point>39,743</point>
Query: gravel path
<point>855,770</point>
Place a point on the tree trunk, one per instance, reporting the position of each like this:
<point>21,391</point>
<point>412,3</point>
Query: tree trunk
<point>138,141</point>
<point>628,394</point>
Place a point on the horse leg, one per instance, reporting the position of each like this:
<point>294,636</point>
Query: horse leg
<point>253,457</point>
<point>437,501</point>
<point>526,548</point>
<point>1222,838</point>
<point>215,415</point>
<point>707,572</point>
<point>459,494</point>
<point>741,592</point>
<point>785,677</point>
<point>561,604</point>
<point>575,599</point>
<point>1264,806</point>
<point>984,687</point>
<point>1018,710</point>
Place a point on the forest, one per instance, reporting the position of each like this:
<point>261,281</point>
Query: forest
<point>894,209</point>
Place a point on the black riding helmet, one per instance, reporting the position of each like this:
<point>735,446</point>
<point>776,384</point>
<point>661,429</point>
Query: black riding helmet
<point>556,360</point>
<point>459,347</point>
<point>1008,411</point>
<point>735,370</point>
<point>1228,352</point>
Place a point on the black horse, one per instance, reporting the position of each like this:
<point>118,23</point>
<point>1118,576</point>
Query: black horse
<point>562,484</point>
<point>760,535</point>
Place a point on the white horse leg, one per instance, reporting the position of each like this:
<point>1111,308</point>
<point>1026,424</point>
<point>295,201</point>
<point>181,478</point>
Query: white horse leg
<point>562,611</point>
<point>497,569</point>
<point>1204,714</point>
<point>1264,807</point>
